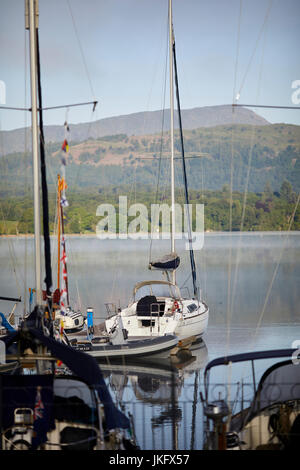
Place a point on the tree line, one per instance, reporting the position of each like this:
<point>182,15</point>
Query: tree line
<point>223,210</point>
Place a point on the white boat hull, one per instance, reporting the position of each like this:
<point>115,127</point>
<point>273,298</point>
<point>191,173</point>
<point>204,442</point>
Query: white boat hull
<point>72,321</point>
<point>183,327</point>
<point>193,326</point>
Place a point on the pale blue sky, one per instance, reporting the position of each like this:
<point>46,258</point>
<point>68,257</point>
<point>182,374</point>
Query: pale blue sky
<point>124,44</point>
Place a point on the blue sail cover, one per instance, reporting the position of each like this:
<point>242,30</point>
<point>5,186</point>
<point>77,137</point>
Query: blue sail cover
<point>82,365</point>
<point>166,263</point>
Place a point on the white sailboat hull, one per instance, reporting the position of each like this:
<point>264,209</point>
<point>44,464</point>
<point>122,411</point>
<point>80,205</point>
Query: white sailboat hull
<point>183,325</point>
<point>194,326</point>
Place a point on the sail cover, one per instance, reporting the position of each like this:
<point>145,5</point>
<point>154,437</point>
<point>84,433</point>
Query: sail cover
<point>168,262</point>
<point>83,366</point>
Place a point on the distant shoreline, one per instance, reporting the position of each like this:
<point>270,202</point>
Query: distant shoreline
<point>214,232</point>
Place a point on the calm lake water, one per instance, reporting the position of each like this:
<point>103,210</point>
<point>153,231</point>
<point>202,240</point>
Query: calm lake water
<point>250,282</point>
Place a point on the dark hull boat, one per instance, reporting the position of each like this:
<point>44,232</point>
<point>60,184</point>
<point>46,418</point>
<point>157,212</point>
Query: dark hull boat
<point>55,398</point>
<point>162,345</point>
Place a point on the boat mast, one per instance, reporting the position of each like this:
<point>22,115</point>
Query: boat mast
<point>58,230</point>
<point>32,25</point>
<point>172,136</point>
<point>189,222</point>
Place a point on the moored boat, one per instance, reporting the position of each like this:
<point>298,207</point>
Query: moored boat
<point>150,313</point>
<point>270,419</point>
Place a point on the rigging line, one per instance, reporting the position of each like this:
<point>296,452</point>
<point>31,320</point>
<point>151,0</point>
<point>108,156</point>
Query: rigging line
<point>192,258</point>
<point>229,270</point>
<point>235,105</point>
<point>256,45</point>
<point>152,82</point>
<point>13,257</point>
<point>14,109</point>
<point>191,157</point>
<point>243,215</point>
<point>85,140</point>
<point>237,52</point>
<point>161,147</point>
<point>253,130</point>
<point>277,266</point>
<point>49,108</point>
<point>81,50</point>
<point>286,237</point>
<point>204,271</point>
<point>70,105</point>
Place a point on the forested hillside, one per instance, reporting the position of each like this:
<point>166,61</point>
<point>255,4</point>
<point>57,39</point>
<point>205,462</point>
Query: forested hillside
<point>261,162</point>
<point>256,155</point>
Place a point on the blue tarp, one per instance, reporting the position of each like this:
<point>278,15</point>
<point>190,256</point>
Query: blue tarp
<point>5,323</point>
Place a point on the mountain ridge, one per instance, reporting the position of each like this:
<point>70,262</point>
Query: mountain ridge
<point>140,123</point>
<point>214,156</point>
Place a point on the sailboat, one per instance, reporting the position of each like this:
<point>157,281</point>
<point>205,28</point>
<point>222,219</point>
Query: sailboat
<point>51,396</point>
<point>72,321</point>
<point>158,306</point>
<point>267,420</point>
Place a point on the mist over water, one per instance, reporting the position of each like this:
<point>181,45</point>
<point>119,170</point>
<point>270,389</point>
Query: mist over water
<point>235,272</point>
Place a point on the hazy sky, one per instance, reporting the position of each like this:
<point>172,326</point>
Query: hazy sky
<point>115,51</point>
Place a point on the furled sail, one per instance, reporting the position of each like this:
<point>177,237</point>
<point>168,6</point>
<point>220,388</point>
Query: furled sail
<point>166,263</point>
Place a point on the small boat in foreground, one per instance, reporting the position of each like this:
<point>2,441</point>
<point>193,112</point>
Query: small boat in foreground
<point>100,348</point>
<point>116,344</point>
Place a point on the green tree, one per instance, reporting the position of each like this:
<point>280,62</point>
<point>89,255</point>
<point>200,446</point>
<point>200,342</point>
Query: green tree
<point>286,191</point>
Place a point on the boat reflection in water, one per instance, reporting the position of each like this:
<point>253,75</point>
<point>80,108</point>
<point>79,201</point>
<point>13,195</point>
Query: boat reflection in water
<point>162,398</point>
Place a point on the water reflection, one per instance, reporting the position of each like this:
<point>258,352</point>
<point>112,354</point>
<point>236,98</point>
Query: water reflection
<point>162,395</point>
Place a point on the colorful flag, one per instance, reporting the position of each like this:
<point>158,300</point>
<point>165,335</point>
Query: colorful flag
<point>64,202</point>
<point>65,146</point>
<point>61,329</point>
<point>38,412</point>
<point>41,423</point>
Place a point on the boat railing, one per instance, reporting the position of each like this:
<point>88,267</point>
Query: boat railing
<point>186,289</point>
<point>230,423</point>
<point>111,309</point>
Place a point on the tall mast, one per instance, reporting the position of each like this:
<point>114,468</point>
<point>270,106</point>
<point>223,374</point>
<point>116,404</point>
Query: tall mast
<point>172,135</point>
<point>58,230</point>
<point>32,24</point>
